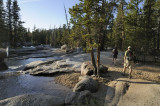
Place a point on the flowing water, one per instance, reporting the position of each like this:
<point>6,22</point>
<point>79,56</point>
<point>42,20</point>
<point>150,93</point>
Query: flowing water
<point>13,83</point>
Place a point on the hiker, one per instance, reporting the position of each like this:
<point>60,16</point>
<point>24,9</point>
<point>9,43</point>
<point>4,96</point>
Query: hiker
<point>115,53</point>
<point>128,61</point>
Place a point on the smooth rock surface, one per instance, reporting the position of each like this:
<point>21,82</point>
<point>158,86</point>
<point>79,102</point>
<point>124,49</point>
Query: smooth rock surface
<point>81,99</point>
<point>86,83</point>
<point>87,68</point>
<point>51,67</point>
<point>33,100</point>
<point>132,92</point>
<point>64,47</point>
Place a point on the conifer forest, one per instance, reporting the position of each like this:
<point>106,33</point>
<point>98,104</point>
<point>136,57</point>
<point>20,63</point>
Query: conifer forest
<point>92,24</point>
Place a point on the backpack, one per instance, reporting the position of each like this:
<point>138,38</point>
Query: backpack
<point>115,52</point>
<point>130,56</point>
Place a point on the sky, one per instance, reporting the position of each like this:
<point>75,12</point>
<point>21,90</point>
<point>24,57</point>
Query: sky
<point>44,14</point>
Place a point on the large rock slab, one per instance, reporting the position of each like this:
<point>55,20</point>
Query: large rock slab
<point>33,100</point>
<point>51,67</point>
<point>86,83</point>
<point>132,92</point>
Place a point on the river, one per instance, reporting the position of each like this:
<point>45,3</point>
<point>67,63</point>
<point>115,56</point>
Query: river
<point>13,83</point>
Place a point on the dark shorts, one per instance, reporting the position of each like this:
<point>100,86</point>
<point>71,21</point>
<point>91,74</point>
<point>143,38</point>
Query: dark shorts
<point>114,56</point>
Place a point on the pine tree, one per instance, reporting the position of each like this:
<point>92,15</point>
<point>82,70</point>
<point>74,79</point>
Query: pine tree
<point>91,20</point>
<point>157,21</point>
<point>76,20</point>
<point>59,37</point>
<point>149,22</point>
<point>134,27</point>
<point>16,21</point>
<point>21,32</point>
<point>9,20</point>
<point>3,36</point>
<point>107,11</point>
<point>119,25</point>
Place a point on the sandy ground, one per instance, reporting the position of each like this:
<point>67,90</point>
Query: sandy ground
<point>68,79</point>
<point>142,90</point>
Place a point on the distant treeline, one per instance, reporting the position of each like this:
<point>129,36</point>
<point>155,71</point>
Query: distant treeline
<point>93,24</point>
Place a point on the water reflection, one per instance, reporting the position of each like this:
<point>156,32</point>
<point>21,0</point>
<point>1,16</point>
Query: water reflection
<point>12,83</point>
<point>26,84</point>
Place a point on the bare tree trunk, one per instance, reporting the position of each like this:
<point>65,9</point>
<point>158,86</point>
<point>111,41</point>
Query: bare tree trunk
<point>93,61</point>
<point>15,36</point>
<point>103,41</point>
<point>123,36</point>
<point>98,60</point>
<point>158,40</point>
<point>68,26</point>
<point>66,18</point>
<point>92,53</point>
<point>158,33</point>
<point>154,39</point>
<point>98,50</point>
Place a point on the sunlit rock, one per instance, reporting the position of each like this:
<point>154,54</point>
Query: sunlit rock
<point>33,100</point>
<point>87,83</point>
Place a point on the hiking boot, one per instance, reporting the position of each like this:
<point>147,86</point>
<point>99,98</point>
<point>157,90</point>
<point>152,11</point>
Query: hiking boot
<point>129,76</point>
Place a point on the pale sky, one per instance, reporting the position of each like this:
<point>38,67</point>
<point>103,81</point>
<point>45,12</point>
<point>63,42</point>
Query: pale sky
<point>44,13</point>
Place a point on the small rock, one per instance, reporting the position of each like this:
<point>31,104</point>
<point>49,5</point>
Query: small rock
<point>87,83</point>
<point>63,47</point>
<point>103,69</point>
<point>87,68</point>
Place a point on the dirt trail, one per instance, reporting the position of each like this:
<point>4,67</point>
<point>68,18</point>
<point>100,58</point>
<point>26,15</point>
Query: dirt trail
<point>118,90</point>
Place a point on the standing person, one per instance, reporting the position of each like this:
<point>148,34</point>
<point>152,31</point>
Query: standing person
<point>128,61</point>
<point>115,53</point>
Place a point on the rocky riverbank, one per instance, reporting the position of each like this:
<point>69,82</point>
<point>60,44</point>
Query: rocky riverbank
<point>111,89</point>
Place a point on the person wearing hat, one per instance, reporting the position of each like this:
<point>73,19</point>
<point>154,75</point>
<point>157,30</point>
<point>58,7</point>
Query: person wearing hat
<point>128,61</point>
